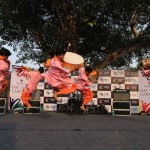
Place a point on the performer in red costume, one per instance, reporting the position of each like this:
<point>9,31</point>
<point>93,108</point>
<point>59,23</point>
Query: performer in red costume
<point>145,67</point>
<point>146,73</point>
<point>4,68</point>
<point>35,77</point>
<point>83,85</point>
<point>57,76</point>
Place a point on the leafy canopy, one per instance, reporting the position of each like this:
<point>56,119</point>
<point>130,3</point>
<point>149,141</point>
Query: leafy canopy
<point>107,33</point>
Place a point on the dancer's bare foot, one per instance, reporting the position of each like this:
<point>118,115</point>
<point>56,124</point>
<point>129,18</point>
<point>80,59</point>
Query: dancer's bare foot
<point>55,96</point>
<point>82,107</point>
<point>28,108</point>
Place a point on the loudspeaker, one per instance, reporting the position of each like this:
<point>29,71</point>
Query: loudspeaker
<point>121,113</point>
<point>32,110</point>
<point>2,110</point>
<point>121,108</point>
<point>121,105</point>
<point>34,103</point>
<point>2,105</point>
<point>121,95</point>
<point>2,101</point>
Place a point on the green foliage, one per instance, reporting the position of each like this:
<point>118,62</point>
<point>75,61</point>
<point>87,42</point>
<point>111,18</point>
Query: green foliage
<point>95,28</point>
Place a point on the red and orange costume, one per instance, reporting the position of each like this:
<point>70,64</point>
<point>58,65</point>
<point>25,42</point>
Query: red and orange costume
<point>83,85</point>
<point>57,76</point>
<point>4,73</point>
<point>31,86</point>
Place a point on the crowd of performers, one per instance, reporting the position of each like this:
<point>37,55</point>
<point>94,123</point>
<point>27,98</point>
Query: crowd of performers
<point>56,76</point>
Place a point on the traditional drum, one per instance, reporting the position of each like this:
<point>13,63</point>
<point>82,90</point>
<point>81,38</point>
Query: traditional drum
<point>146,63</point>
<point>93,77</point>
<point>72,61</point>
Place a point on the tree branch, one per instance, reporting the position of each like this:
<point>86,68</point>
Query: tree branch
<point>134,19</point>
<point>137,43</point>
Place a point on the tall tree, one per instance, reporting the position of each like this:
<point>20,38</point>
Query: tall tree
<point>107,33</point>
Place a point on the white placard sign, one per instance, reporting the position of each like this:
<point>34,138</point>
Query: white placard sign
<point>18,82</point>
<point>144,92</point>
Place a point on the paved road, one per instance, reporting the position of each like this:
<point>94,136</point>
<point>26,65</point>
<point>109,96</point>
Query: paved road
<point>60,131</point>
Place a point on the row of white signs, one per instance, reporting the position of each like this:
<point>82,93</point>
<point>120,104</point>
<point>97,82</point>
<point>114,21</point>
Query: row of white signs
<point>19,81</point>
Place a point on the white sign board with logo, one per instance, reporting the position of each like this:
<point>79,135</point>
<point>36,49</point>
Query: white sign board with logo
<point>18,82</point>
<point>144,92</point>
